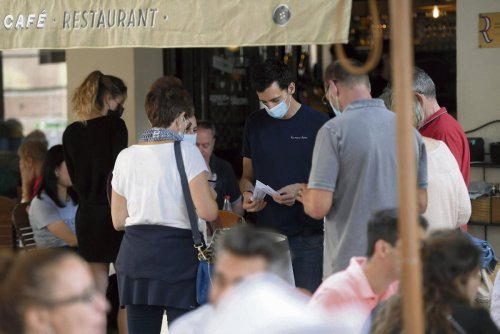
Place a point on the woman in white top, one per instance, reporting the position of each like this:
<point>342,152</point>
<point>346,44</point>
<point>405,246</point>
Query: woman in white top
<point>157,263</point>
<point>448,202</point>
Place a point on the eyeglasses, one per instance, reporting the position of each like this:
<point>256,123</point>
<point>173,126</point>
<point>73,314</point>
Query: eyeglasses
<point>87,296</point>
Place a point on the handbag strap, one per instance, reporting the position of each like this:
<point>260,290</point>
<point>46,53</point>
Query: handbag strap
<point>193,218</point>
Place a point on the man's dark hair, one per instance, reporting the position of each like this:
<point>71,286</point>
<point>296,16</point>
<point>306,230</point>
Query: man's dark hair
<point>269,71</point>
<point>207,125</point>
<point>336,72</point>
<point>247,241</point>
<point>384,226</point>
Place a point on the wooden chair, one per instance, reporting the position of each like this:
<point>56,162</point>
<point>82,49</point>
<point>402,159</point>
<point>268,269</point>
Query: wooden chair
<point>7,236</point>
<point>22,225</point>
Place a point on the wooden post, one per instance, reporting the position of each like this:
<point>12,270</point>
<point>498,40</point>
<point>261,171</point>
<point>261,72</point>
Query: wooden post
<point>402,80</point>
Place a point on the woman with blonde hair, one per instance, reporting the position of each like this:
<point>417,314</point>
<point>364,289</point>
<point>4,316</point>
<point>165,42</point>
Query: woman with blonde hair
<point>31,156</point>
<point>91,146</point>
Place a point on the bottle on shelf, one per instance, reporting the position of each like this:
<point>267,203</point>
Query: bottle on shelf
<point>227,204</point>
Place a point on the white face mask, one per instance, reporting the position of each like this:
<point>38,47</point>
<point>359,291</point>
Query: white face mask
<point>336,109</point>
<point>279,110</point>
<point>182,133</point>
<point>190,138</point>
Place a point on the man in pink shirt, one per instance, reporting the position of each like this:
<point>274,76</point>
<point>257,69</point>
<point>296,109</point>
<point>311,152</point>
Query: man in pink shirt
<point>357,290</point>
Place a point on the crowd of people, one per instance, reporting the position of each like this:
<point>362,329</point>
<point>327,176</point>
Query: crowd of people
<point>323,255</point>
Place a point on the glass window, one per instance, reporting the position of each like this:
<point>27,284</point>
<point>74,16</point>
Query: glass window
<point>35,91</point>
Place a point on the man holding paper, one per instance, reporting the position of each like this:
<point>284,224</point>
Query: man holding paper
<point>278,143</point>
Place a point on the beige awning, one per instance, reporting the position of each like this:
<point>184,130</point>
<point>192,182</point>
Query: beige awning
<point>51,24</point>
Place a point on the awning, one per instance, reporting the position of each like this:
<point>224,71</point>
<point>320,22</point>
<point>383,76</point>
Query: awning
<point>53,24</point>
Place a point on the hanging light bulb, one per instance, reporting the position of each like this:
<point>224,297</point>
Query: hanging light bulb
<point>435,12</point>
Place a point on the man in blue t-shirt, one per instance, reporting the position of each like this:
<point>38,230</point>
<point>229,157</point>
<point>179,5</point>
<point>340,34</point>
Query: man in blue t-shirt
<point>278,143</point>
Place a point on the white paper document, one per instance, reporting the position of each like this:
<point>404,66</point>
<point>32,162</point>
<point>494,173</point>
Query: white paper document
<point>261,190</point>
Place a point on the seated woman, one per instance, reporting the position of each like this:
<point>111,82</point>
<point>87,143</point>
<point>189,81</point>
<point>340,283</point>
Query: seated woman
<point>49,291</point>
<point>451,264</point>
<point>52,212</point>
<point>31,156</point>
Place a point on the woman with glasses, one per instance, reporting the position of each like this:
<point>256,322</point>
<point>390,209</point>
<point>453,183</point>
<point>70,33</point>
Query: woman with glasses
<point>49,291</point>
<point>91,146</point>
<point>157,262</point>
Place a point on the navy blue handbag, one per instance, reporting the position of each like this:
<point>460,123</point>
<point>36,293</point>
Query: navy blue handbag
<point>205,267</point>
<point>203,281</point>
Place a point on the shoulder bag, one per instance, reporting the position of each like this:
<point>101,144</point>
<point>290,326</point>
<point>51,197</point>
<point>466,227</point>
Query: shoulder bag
<point>205,265</point>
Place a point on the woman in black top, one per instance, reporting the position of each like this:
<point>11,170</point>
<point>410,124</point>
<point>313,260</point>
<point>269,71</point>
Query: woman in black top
<point>91,146</point>
<point>451,264</point>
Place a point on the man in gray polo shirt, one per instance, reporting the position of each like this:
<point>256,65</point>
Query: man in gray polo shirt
<point>354,168</point>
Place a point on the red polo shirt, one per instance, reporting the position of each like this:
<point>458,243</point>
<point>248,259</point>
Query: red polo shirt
<point>442,126</point>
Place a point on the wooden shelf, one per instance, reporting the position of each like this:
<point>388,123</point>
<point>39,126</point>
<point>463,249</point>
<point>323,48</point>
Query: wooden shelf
<point>484,165</point>
<point>482,224</point>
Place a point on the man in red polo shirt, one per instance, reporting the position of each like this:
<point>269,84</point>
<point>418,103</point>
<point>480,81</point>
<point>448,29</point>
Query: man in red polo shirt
<point>440,125</point>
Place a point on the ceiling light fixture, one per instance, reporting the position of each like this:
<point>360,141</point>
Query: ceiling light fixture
<point>435,12</point>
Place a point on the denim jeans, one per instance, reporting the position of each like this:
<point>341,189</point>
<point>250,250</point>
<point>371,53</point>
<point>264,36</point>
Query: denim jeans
<point>307,260</point>
<point>146,319</point>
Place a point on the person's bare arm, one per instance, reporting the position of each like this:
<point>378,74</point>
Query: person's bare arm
<point>119,210</point>
<point>27,180</point>
<point>422,200</point>
<point>203,197</point>
<point>317,202</point>
<point>63,232</point>
<point>247,187</point>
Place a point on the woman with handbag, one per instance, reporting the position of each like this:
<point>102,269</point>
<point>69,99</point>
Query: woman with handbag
<point>157,263</point>
<point>451,276</point>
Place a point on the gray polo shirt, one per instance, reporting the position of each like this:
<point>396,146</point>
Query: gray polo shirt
<point>43,212</point>
<point>355,158</point>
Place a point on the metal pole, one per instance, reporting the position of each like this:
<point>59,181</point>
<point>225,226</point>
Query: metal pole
<point>402,79</point>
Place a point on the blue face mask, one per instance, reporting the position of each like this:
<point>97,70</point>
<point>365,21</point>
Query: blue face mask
<point>279,110</point>
<point>190,138</point>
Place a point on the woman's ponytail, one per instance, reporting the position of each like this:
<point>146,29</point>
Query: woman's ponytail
<point>84,98</point>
